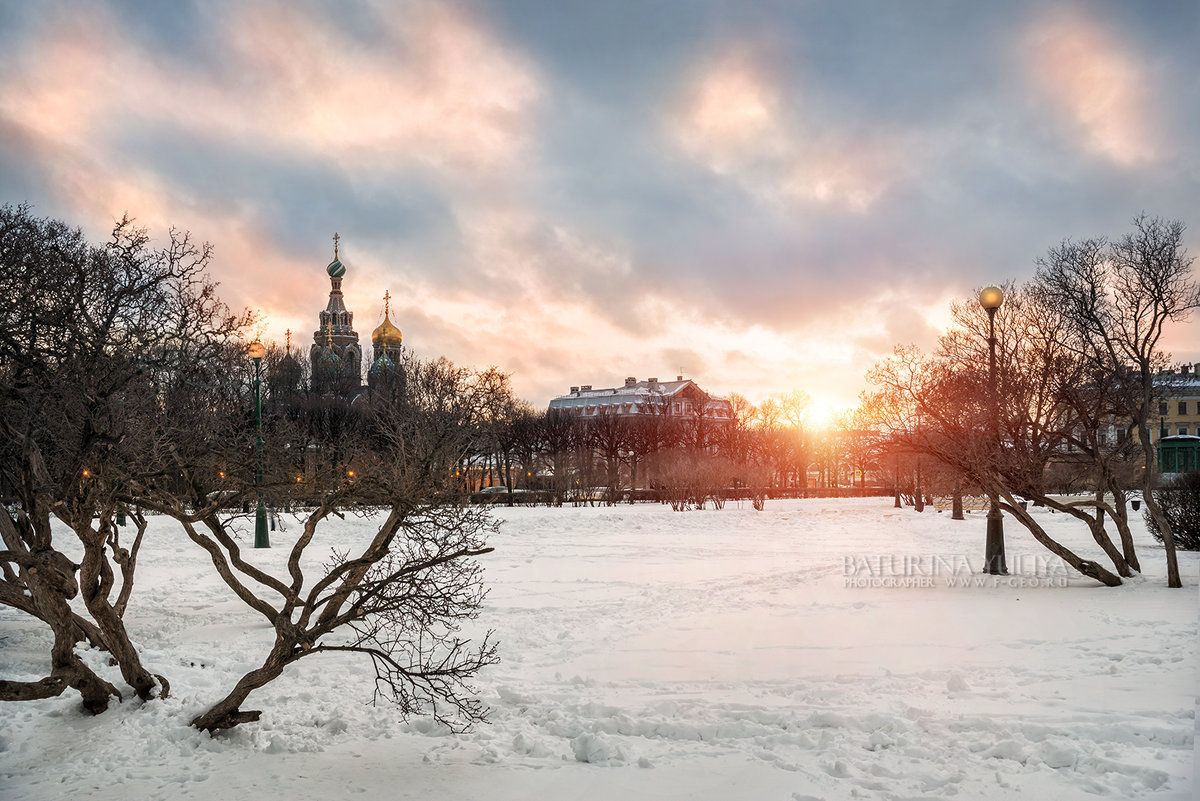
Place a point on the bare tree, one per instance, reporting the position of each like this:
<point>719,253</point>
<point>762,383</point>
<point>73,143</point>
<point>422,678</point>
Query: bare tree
<point>608,434</point>
<point>1118,298</point>
<point>560,437</point>
<point>1052,407</point>
<point>936,406</point>
<point>91,342</point>
<point>650,432</point>
<point>402,598</point>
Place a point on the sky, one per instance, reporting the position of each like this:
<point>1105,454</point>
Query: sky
<point>760,196</point>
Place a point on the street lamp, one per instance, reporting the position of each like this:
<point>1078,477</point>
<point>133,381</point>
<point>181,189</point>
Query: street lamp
<point>993,557</point>
<point>261,538</point>
<point>896,480</point>
<point>920,500</point>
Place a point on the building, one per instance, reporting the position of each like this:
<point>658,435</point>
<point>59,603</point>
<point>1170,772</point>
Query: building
<point>1178,399</point>
<point>681,398</point>
<point>1177,435</point>
<point>387,354</point>
<point>336,357</point>
<point>1174,410</point>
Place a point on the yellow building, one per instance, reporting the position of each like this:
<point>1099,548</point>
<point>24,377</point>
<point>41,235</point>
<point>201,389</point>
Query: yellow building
<point>1178,399</point>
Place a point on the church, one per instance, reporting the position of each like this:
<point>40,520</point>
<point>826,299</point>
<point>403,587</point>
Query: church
<point>336,357</point>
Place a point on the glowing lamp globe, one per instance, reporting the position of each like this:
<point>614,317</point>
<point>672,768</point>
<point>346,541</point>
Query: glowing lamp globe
<point>991,298</point>
<point>257,350</point>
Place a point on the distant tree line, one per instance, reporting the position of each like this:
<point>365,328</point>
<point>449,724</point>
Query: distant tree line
<point>556,457</point>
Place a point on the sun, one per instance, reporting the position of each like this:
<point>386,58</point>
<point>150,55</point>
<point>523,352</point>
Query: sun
<point>821,414</point>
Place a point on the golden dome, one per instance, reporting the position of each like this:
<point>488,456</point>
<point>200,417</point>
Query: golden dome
<point>386,333</point>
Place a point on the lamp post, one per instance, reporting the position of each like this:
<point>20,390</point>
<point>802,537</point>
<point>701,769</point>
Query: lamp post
<point>261,538</point>
<point>896,481</point>
<point>919,505</point>
<point>993,557</point>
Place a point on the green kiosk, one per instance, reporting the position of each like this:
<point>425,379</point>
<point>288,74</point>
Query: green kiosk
<point>1178,454</point>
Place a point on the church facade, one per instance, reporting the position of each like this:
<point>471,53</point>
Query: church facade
<point>336,356</point>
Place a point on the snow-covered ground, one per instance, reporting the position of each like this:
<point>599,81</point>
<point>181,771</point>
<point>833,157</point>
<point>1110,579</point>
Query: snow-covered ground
<point>821,649</point>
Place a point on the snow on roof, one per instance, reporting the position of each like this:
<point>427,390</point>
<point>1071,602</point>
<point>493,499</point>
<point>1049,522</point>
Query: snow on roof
<point>630,393</point>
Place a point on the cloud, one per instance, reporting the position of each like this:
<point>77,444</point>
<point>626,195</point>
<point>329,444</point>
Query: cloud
<point>1096,84</point>
<point>432,88</point>
<point>730,114</point>
<point>768,196</point>
<point>734,117</point>
<point>283,90</point>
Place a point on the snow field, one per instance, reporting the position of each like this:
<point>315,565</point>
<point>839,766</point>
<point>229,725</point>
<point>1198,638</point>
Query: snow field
<point>655,654</point>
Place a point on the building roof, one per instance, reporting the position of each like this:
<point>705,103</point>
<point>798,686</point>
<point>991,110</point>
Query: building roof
<point>387,333</point>
<point>634,392</point>
<point>1183,376</point>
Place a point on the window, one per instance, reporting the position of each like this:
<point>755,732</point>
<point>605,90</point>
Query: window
<point>1162,430</point>
<point>1183,429</point>
<point>1162,407</point>
<point>675,408</point>
<point>1183,407</point>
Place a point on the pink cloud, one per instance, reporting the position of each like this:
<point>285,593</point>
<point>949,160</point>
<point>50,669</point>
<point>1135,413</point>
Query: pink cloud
<point>729,112</point>
<point>735,118</point>
<point>436,88</point>
<point>1096,83</point>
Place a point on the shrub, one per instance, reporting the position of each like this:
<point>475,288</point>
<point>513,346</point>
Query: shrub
<point>1180,503</point>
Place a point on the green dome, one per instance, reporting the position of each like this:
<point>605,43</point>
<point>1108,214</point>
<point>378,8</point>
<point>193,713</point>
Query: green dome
<point>382,363</point>
<point>336,269</point>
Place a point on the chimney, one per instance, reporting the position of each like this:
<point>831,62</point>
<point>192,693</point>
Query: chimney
<point>586,388</point>
<point>651,381</point>
<point>678,378</point>
<point>1184,369</point>
<point>1196,368</point>
<point>629,382</point>
<point>574,390</point>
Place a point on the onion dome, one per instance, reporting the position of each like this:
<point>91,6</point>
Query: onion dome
<point>288,370</point>
<point>336,269</point>
<point>382,364</point>
<point>386,334</point>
